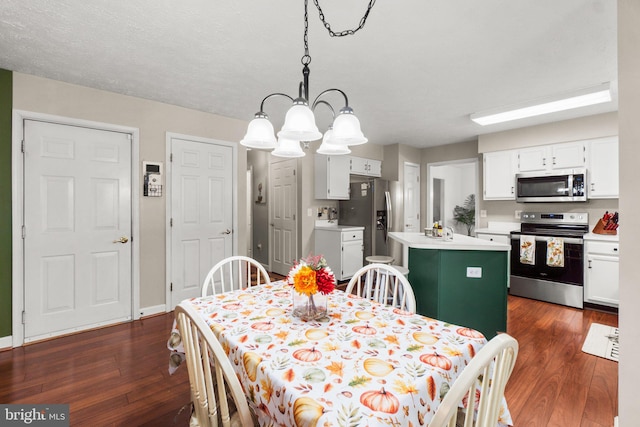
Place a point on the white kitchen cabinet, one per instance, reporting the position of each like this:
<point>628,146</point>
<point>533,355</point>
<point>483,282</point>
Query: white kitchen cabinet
<point>499,169</point>
<point>603,168</point>
<point>601,273</point>
<point>332,177</point>
<point>342,247</point>
<point>567,155</point>
<point>367,167</point>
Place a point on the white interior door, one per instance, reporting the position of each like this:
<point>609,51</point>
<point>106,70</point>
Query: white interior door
<point>411,197</point>
<point>77,227</point>
<point>284,226</point>
<point>202,185</point>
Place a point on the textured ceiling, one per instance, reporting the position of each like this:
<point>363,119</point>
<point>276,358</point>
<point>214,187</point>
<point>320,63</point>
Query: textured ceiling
<point>413,74</point>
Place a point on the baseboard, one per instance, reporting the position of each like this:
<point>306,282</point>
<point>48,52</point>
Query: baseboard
<point>615,422</point>
<point>152,311</point>
<point>6,343</point>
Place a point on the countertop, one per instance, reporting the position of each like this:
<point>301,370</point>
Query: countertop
<point>459,242</point>
<point>339,228</point>
<point>601,237</point>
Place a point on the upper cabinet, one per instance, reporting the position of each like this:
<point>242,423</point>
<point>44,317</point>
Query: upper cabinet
<point>332,177</point>
<point>603,169</point>
<point>548,157</point>
<point>598,156</point>
<point>367,167</point>
<point>499,170</point>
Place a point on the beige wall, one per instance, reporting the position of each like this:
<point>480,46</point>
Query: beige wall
<point>589,127</point>
<point>629,107</point>
<point>153,119</point>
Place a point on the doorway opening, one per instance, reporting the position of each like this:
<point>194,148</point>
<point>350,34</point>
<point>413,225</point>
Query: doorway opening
<point>450,184</point>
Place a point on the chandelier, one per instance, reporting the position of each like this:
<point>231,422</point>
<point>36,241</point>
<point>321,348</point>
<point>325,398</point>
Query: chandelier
<point>299,124</point>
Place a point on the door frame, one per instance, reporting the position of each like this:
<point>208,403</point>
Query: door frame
<point>168,194</point>
<point>17,210</point>
<point>429,202</point>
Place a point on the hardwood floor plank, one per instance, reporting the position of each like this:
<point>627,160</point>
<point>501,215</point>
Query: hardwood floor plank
<point>602,400</point>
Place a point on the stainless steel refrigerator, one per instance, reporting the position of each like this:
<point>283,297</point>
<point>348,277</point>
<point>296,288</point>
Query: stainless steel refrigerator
<point>369,205</point>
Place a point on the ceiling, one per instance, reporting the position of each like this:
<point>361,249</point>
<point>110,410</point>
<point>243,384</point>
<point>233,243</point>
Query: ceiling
<point>413,74</point>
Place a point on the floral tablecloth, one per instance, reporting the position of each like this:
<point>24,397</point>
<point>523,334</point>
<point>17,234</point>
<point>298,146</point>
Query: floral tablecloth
<point>366,364</point>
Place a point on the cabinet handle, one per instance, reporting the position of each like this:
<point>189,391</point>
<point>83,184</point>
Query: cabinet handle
<point>512,190</point>
<point>592,186</point>
<point>544,161</point>
<point>615,249</point>
<point>589,264</point>
<point>554,160</point>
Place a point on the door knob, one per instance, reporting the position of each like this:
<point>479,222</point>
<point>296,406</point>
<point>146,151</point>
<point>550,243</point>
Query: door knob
<point>123,239</point>
<point>227,231</point>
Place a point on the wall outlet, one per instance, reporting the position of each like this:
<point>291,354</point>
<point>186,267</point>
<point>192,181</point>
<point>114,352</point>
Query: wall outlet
<point>309,212</point>
<point>474,272</point>
<point>483,213</point>
<point>517,214</point>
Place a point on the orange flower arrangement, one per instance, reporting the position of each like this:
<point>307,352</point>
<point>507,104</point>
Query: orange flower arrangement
<point>309,277</point>
<point>312,275</point>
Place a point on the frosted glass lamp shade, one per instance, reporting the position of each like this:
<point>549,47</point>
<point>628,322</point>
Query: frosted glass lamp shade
<point>300,124</point>
<point>331,149</point>
<point>346,130</point>
<point>260,134</point>
<point>288,148</point>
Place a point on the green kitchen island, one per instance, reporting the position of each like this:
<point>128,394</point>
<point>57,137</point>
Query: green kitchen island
<point>462,281</point>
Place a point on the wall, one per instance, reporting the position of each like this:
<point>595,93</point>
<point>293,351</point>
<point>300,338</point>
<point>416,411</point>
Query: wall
<point>154,119</point>
<point>629,110</point>
<point>5,202</point>
<point>589,127</point>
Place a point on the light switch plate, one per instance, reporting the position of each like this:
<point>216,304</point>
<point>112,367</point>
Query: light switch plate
<point>474,272</point>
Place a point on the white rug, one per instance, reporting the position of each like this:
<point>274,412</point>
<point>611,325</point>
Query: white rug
<point>602,341</point>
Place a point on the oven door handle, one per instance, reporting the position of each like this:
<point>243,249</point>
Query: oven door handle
<point>568,240</point>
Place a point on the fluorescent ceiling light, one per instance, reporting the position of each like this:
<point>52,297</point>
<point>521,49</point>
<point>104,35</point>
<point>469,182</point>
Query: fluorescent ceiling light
<point>582,98</point>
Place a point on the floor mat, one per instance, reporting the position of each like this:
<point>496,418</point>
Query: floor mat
<point>602,341</point>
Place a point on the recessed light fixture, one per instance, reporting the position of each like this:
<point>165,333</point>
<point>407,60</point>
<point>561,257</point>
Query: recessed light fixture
<point>581,98</point>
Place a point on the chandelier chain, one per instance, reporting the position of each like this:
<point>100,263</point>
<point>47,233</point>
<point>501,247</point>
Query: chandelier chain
<point>343,33</point>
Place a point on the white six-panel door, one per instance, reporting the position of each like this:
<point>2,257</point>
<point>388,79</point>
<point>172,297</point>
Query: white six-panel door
<point>284,226</point>
<point>411,197</point>
<point>201,213</point>
<point>77,228</point>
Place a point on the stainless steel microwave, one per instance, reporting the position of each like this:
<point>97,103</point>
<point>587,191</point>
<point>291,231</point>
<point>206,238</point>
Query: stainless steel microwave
<point>552,186</point>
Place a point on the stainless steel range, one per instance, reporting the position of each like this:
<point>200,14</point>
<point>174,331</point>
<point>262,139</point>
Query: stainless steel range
<point>547,257</point>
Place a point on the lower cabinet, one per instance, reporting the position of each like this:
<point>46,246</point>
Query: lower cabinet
<point>601,276</point>
<point>499,238</point>
<point>342,247</point>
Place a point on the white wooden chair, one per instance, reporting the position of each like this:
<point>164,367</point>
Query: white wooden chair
<point>491,368</point>
<point>385,284</point>
<point>215,388</point>
<point>236,272</point>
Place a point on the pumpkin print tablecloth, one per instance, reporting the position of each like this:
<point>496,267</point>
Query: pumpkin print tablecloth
<point>365,365</point>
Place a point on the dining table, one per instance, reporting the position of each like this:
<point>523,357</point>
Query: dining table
<point>363,364</point>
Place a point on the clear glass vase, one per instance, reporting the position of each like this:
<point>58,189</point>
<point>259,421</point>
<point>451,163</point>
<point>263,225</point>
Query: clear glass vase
<point>309,307</point>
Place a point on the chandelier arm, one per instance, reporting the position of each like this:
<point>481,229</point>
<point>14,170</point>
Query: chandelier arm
<point>272,95</point>
<point>346,100</point>
<point>332,33</point>
<point>322,101</point>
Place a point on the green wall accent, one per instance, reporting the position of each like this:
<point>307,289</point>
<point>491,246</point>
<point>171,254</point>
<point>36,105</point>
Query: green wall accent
<point>6,103</point>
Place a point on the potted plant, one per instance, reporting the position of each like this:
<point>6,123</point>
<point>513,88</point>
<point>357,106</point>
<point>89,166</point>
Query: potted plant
<point>466,214</point>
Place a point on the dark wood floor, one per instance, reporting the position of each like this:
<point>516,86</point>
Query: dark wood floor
<point>118,376</point>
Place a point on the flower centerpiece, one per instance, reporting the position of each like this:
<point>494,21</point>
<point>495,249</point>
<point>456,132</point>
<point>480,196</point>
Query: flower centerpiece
<point>312,281</point>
